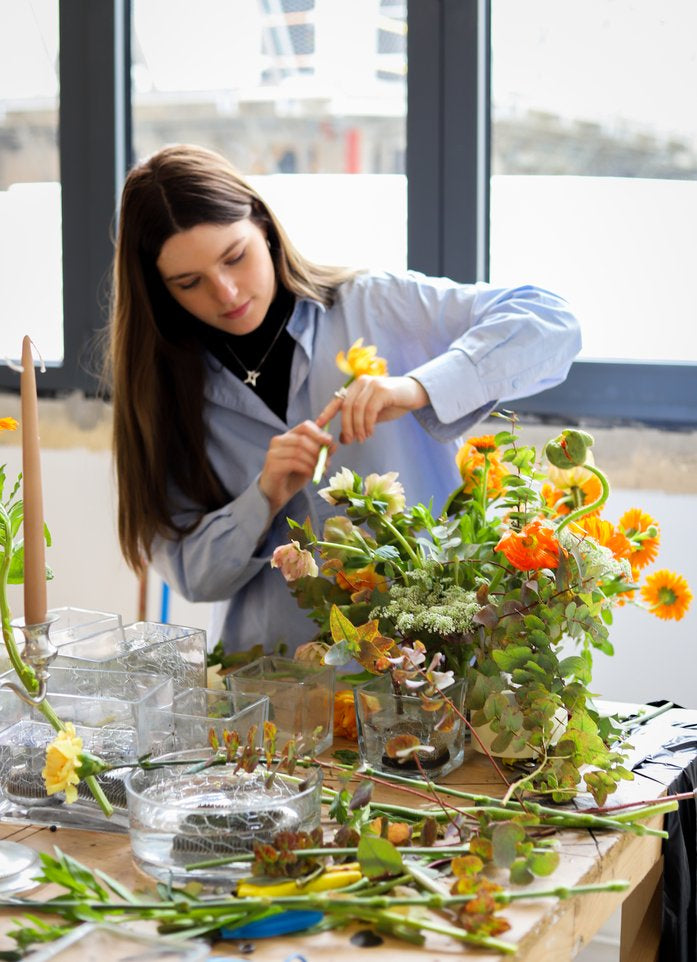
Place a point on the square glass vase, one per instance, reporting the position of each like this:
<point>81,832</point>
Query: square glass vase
<point>68,624</point>
<point>182,814</point>
<point>171,650</point>
<point>112,712</point>
<point>301,698</point>
<point>389,722</point>
<point>196,712</point>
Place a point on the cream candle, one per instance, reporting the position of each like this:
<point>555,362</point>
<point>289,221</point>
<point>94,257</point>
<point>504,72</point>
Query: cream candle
<point>34,544</point>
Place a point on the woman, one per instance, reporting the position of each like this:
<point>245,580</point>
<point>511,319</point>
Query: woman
<point>223,346</point>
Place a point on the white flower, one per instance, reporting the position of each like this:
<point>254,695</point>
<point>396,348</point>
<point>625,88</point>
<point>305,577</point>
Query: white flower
<point>339,488</point>
<point>386,487</point>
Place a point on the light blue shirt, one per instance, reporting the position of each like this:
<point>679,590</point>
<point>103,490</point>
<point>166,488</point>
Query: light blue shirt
<point>470,346</point>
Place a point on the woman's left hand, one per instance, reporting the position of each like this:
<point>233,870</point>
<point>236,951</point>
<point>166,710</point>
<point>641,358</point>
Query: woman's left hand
<point>369,400</point>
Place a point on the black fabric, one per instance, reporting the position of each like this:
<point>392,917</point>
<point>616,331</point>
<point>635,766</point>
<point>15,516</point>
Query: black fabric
<point>274,374</point>
<point>675,766</point>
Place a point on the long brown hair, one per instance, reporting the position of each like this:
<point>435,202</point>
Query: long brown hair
<point>155,364</point>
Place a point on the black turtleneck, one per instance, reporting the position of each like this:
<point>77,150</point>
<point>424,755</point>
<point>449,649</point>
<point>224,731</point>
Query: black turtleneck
<point>274,373</point>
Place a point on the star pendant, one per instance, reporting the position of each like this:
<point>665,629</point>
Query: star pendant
<point>252,378</point>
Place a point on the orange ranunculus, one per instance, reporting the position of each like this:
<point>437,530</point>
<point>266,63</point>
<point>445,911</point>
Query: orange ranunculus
<point>605,533</point>
<point>667,594</point>
<point>566,499</point>
<point>345,716</point>
<point>8,424</point>
<point>360,360</point>
<point>635,524</point>
<point>534,546</point>
<point>361,582</point>
<point>470,462</point>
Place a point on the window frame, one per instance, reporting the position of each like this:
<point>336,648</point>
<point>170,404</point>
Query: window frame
<point>94,138</point>
<point>448,168</point>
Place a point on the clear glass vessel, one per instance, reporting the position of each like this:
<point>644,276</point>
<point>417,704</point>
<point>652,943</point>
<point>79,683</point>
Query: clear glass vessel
<point>388,721</point>
<point>179,816</point>
<point>301,697</point>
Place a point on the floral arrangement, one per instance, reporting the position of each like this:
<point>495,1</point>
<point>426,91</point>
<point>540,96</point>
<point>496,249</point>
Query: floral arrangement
<point>517,562</point>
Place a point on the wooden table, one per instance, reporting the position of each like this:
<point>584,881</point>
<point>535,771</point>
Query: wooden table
<point>545,930</point>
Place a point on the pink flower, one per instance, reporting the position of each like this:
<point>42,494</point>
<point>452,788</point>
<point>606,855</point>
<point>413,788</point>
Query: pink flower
<point>294,562</point>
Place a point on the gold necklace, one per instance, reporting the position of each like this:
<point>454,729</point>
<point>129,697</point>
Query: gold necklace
<point>255,371</point>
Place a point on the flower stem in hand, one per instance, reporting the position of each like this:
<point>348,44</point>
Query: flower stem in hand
<point>321,462</point>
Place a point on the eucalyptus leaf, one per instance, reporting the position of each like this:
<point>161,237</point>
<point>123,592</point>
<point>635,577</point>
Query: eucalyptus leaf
<point>378,857</point>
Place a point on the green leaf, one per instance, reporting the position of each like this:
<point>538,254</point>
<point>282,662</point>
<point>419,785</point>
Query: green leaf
<point>543,862</point>
<point>346,756</point>
<point>342,629</point>
<point>505,839</point>
<point>520,873</point>
<point>513,656</point>
<point>378,857</point>
<point>339,654</point>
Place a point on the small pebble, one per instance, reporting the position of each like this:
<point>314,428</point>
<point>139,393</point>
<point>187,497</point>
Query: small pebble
<point>365,939</point>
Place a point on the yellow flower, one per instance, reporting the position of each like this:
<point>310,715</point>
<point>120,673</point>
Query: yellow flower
<point>667,594</point>
<point>62,762</point>
<point>8,424</point>
<point>361,360</point>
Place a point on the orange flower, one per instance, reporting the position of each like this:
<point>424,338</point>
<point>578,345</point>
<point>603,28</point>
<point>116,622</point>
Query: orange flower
<point>360,360</point>
<point>345,716</point>
<point>485,443</point>
<point>361,582</point>
<point>667,594</point>
<point>605,533</point>
<point>534,546</point>
<point>8,424</point>
<point>470,461</point>
<point>635,524</point>
<point>566,499</point>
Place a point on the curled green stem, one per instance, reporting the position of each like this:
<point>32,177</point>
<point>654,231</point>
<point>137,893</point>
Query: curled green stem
<point>594,505</point>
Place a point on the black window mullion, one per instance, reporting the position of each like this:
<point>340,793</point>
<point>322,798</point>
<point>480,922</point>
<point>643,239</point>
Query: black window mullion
<point>448,85</point>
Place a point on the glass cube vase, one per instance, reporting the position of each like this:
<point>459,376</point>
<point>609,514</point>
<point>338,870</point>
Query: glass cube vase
<point>196,712</point>
<point>301,698</point>
<point>112,712</point>
<point>387,721</point>
<point>171,650</point>
<point>180,817</point>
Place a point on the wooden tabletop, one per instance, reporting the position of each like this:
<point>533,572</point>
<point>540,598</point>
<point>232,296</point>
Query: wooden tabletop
<point>545,930</point>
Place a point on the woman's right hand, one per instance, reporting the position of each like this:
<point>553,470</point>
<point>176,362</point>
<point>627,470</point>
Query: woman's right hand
<point>290,462</point>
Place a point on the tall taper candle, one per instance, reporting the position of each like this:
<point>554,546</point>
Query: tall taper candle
<point>34,545</point>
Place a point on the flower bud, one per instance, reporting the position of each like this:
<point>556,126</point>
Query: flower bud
<point>294,562</point>
<point>569,449</point>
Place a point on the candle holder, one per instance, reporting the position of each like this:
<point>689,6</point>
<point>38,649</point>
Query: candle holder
<point>38,652</point>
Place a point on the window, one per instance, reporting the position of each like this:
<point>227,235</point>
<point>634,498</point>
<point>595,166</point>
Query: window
<point>594,188</point>
<point>591,186</point>
<point>299,100</point>
<point>30,198</point>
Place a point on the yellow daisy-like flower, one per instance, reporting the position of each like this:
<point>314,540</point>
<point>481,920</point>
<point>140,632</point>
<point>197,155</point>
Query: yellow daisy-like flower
<point>360,360</point>
<point>667,594</point>
<point>8,424</point>
<point>62,762</point>
<point>485,443</point>
<point>470,462</point>
<point>605,533</point>
<point>635,524</point>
